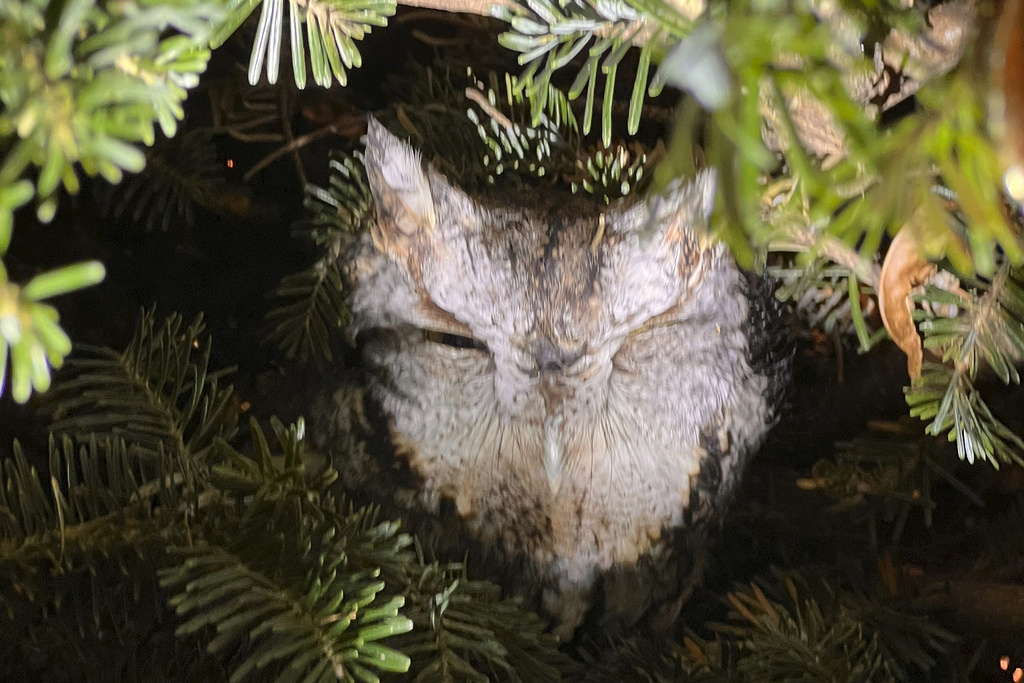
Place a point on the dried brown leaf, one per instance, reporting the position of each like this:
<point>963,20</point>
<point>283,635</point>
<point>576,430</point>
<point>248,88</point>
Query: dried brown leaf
<point>902,270</point>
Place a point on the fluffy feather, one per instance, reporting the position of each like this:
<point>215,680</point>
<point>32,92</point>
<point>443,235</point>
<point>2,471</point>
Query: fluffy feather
<point>567,375</point>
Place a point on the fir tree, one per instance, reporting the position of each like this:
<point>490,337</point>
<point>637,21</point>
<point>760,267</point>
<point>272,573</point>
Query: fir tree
<point>159,542</point>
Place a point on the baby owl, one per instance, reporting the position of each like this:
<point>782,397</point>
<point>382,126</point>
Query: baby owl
<point>581,384</point>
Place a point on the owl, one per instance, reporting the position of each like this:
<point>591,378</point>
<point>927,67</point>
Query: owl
<point>577,386</point>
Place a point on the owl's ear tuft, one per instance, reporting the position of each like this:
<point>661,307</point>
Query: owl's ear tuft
<point>684,208</point>
<point>675,214</point>
<point>400,187</point>
<point>703,187</point>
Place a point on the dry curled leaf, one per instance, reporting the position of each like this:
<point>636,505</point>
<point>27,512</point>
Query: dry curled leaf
<point>1006,99</point>
<point>902,270</point>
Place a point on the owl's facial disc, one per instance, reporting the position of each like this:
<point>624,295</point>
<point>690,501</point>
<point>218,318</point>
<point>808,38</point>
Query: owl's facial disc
<point>555,372</point>
<point>535,320</point>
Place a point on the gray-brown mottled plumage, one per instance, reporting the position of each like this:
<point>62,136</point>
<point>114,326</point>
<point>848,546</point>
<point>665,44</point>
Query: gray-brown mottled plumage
<point>577,381</point>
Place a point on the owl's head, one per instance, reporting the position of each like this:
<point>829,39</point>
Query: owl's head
<point>536,281</point>
<point>547,362</point>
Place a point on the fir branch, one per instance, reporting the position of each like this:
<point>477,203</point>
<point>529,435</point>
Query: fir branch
<point>158,395</point>
<point>331,28</point>
<point>432,113</point>
<point>178,176</point>
<point>303,327</point>
<point>325,627</point>
<point>833,287</point>
<point>773,71</point>
<point>479,7</point>
<point>891,471</point>
<point>91,81</point>
<point>96,485</point>
<point>550,145</point>
<point>803,628</point>
<point>464,631</point>
<point>551,35</point>
<point>30,329</point>
<point>276,490</point>
<point>76,552</point>
<point>634,659</point>
<point>948,398</point>
<point>827,296</point>
<point>987,329</point>
<point>243,476</point>
<point>79,549</point>
<point>291,586</point>
<point>807,644</point>
<point>611,174</point>
<point>313,307</point>
<point>543,145</point>
<point>133,431</point>
<point>82,84</point>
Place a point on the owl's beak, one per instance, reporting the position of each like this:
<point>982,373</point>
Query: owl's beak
<point>555,363</point>
<point>553,390</point>
<point>554,357</point>
<point>554,450</point>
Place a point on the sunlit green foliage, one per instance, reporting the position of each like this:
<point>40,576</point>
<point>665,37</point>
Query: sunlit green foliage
<point>81,84</point>
<point>331,28</point>
<point>29,329</point>
<point>986,329</point>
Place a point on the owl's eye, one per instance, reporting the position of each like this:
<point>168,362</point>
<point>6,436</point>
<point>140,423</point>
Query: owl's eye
<point>456,341</point>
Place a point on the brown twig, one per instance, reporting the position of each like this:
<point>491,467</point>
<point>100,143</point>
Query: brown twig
<point>296,144</point>
<point>489,109</point>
